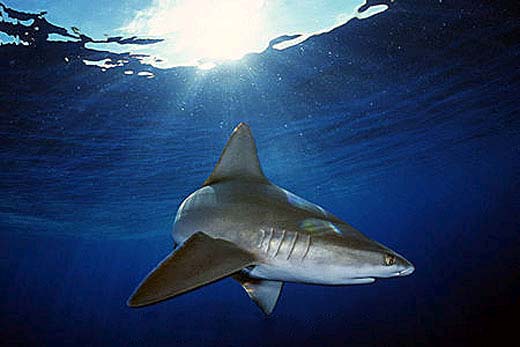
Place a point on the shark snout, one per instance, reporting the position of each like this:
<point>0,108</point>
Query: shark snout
<point>407,268</point>
<point>395,265</point>
<point>403,266</point>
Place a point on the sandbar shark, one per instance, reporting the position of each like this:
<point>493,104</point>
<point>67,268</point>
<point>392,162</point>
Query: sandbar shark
<point>239,224</point>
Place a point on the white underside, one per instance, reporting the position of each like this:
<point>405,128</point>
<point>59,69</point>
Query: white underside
<point>333,276</point>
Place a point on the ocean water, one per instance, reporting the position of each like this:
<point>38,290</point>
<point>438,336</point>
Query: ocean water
<point>405,124</point>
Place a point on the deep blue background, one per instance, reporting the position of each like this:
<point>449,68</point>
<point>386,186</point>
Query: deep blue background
<point>405,124</point>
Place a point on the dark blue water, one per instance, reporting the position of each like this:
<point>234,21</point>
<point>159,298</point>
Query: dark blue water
<point>405,124</point>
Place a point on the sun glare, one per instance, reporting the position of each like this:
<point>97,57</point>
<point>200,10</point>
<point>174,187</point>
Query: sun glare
<point>204,33</point>
<point>208,29</point>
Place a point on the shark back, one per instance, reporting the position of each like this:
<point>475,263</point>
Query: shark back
<point>239,159</point>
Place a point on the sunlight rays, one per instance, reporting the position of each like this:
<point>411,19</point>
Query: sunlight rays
<point>207,29</point>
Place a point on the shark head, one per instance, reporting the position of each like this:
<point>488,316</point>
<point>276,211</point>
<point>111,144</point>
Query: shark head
<point>371,262</point>
<point>348,256</point>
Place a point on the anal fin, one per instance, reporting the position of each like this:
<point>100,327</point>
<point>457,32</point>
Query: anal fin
<point>264,293</point>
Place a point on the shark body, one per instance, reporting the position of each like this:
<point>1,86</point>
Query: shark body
<point>240,224</point>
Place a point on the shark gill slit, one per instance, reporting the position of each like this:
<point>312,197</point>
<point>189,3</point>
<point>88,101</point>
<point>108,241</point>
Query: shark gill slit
<point>291,247</point>
<point>308,246</point>
<point>269,241</point>
<point>261,243</point>
<point>280,243</point>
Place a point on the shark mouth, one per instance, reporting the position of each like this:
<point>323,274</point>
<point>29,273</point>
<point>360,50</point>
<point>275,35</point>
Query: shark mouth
<point>406,271</point>
<point>361,280</point>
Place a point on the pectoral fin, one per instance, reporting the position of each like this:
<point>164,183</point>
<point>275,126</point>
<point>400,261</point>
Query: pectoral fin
<point>264,293</point>
<point>198,261</point>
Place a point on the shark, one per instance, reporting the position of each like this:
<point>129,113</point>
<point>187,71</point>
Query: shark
<point>240,225</point>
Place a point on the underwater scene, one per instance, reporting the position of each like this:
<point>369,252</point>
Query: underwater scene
<point>401,118</point>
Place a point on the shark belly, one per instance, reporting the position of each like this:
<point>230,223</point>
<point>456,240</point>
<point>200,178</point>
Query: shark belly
<point>306,274</point>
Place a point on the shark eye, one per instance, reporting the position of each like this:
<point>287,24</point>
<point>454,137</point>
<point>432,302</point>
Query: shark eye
<point>389,259</point>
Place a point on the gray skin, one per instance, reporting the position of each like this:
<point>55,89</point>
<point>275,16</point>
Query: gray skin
<point>292,239</point>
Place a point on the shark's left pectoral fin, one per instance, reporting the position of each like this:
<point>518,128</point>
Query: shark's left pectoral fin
<point>264,293</point>
<point>198,261</point>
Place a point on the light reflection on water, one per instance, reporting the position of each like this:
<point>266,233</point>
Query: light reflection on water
<point>231,29</point>
<point>226,31</point>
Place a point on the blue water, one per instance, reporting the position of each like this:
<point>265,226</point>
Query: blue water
<point>405,124</point>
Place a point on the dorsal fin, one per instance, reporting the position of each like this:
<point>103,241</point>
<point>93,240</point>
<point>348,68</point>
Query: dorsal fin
<point>238,159</point>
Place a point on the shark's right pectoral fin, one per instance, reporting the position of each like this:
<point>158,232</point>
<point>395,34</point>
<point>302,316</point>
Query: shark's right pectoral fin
<point>264,293</point>
<point>198,261</point>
